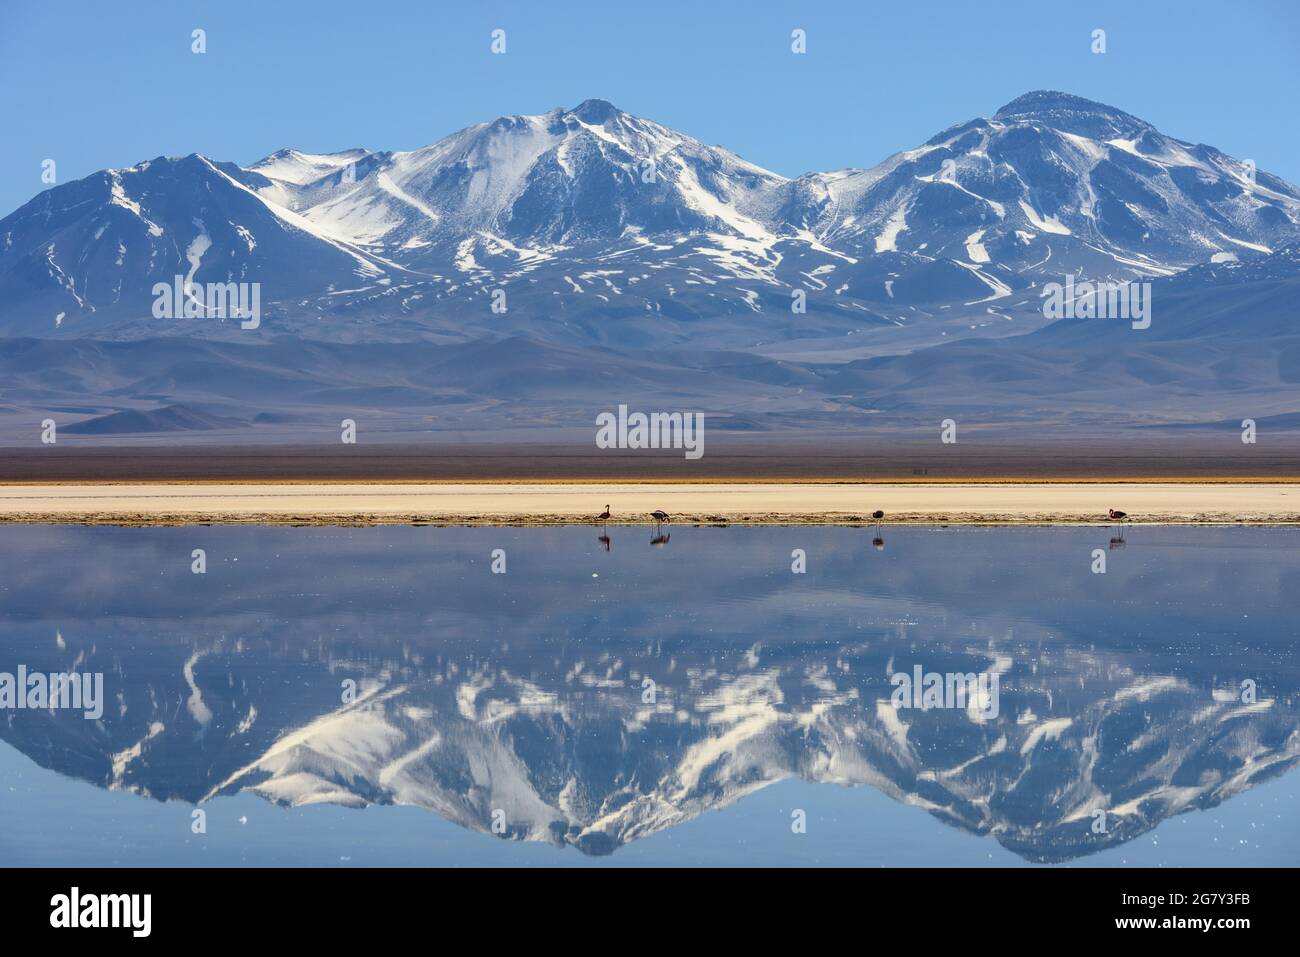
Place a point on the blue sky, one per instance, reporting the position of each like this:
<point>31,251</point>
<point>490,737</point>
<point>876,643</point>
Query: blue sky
<point>95,85</point>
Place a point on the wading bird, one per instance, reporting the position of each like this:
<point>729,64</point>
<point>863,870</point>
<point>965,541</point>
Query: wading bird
<point>659,515</point>
<point>604,516</point>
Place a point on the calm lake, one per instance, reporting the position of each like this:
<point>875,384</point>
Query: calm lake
<point>632,695</point>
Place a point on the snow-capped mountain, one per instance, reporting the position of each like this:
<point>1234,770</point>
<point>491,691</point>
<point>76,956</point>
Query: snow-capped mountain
<point>1055,183</point>
<point>89,252</point>
<point>530,185</point>
<point>602,227</point>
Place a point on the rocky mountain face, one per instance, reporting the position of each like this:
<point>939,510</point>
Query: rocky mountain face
<point>1222,346</point>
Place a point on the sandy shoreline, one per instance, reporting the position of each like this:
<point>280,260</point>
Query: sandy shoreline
<point>700,503</point>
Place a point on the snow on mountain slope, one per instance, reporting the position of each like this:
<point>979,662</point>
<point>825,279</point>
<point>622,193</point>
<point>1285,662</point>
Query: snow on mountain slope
<point>98,245</point>
<point>299,169</point>
<point>300,181</point>
<point>533,184</point>
<point>1054,183</point>
<point>598,224</point>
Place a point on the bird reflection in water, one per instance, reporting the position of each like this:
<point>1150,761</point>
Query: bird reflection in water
<point>878,543</point>
<point>660,539</point>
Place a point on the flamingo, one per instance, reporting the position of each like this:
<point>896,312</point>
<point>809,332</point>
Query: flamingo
<point>1117,516</point>
<point>659,515</point>
<point>604,516</point>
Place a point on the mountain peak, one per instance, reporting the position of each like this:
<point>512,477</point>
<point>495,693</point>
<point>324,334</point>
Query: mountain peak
<point>299,168</point>
<point>1054,101</point>
<point>594,111</point>
<point>1037,101</point>
<point>1073,114</point>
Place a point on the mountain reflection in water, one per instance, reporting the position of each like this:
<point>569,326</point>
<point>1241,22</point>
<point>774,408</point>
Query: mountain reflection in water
<point>594,697</point>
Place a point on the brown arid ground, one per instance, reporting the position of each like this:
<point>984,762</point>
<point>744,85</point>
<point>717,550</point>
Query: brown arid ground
<point>521,503</point>
<point>781,459</point>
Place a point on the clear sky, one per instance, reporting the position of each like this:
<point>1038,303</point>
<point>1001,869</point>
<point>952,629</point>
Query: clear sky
<point>93,84</point>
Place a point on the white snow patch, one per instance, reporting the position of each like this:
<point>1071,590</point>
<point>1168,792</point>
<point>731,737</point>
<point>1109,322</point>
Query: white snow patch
<point>975,249</point>
<point>1047,731</point>
<point>1088,147</point>
<point>887,241</point>
<point>1046,224</point>
<point>197,247</point>
<point>119,198</point>
<point>392,189</point>
<point>246,236</point>
<point>465,261</point>
<point>1000,289</point>
<point>199,711</point>
<point>1242,242</point>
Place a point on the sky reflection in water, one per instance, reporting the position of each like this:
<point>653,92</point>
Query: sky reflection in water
<point>524,694</point>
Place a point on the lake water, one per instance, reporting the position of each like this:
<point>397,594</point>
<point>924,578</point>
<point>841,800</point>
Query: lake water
<point>690,700</point>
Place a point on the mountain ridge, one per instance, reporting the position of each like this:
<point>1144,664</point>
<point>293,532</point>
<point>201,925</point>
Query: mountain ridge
<point>605,219</point>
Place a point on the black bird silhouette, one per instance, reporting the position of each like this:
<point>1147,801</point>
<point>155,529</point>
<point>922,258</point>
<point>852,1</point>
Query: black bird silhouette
<point>659,515</point>
<point>1117,515</point>
<point>877,515</point>
<point>604,515</point>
